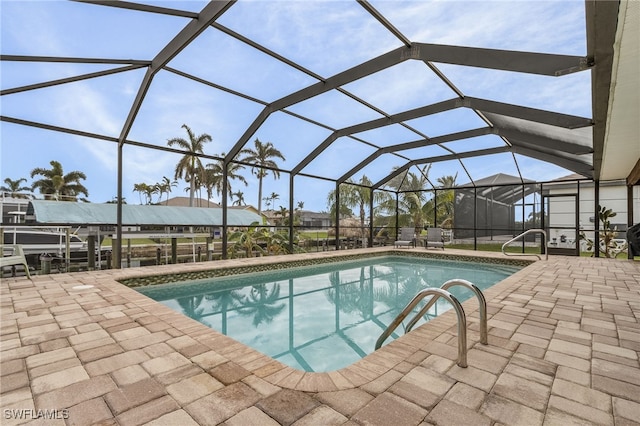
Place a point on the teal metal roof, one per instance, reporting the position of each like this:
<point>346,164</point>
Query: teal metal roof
<point>59,212</point>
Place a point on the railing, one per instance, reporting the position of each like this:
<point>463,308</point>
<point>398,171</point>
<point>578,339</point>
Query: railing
<point>528,231</point>
<point>436,292</point>
<point>482,303</point>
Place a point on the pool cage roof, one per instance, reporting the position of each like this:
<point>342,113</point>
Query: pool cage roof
<point>344,89</point>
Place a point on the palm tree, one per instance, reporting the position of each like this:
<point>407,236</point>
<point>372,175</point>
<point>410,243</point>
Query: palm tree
<point>214,174</point>
<point>446,200</point>
<point>263,159</point>
<point>165,186</point>
<point>412,207</point>
<point>146,190</point>
<point>190,166</point>
<point>283,213</point>
<point>59,185</point>
<point>14,187</point>
<point>354,196</point>
<point>239,201</point>
<point>274,196</point>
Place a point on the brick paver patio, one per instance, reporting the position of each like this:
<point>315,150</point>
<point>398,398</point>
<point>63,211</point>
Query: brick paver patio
<point>564,340</point>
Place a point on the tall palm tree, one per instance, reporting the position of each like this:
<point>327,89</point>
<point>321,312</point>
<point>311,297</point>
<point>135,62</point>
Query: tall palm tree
<point>190,166</point>
<point>59,185</point>
<point>263,157</point>
<point>15,187</point>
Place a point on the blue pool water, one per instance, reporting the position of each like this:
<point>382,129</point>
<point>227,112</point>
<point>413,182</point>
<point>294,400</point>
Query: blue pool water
<point>320,318</point>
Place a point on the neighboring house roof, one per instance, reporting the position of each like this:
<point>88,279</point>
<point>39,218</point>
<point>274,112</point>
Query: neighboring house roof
<point>184,202</point>
<point>316,215</point>
<point>60,212</point>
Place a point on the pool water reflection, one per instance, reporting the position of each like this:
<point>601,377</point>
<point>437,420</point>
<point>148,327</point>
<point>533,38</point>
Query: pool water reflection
<point>320,318</point>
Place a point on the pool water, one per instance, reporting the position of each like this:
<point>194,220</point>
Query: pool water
<point>320,318</point>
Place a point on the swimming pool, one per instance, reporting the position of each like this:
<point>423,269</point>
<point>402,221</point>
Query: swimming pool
<point>320,318</point>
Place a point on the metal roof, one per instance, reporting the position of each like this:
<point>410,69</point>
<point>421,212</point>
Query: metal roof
<point>60,212</point>
<point>498,130</point>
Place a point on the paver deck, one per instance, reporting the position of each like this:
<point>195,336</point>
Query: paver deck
<point>564,340</point>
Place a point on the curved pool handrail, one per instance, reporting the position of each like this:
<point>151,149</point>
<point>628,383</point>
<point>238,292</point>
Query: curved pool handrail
<point>436,292</point>
<point>482,304</point>
<point>528,231</point>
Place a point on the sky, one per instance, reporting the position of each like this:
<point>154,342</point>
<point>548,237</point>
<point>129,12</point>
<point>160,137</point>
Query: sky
<point>324,37</point>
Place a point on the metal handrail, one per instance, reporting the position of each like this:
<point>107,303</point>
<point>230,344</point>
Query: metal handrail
<point>528,231</point>
<point>482,303</point>
<point>462,320</point>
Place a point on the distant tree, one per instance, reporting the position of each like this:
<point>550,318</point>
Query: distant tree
<point>190,167</point>
<point>446,200</point>
<point>114,200</point>
<point>15,187</point>
<point>412,206</point>
<point>165,186</point>
<point>354,195</point>
<point>283,212</point>
<point>146,190</point>
<point>58,185</point>
<point>214,177</point>
<point>239,201</point>
<point>263,157</point>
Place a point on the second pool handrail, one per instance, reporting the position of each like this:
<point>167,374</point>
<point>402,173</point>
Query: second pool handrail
<point>528,231</point>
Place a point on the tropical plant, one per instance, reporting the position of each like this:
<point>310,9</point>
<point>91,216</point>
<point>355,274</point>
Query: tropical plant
<point>15,187</point>
<point>263,157</point>
<point>607,234</point>
<point>276,242</point>
<point>190,167</point>
<point>246,241</point>
<point>57,184</point>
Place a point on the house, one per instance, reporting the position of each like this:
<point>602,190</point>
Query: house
<point>570,206</point>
